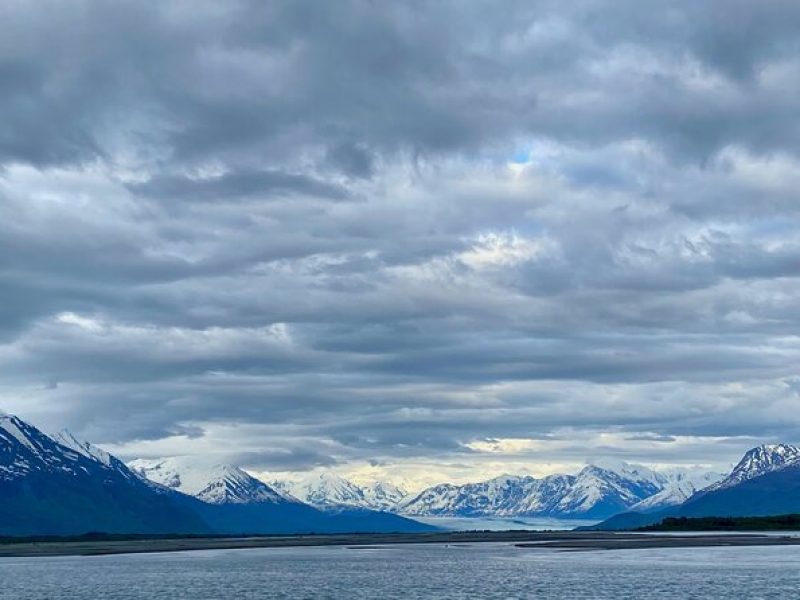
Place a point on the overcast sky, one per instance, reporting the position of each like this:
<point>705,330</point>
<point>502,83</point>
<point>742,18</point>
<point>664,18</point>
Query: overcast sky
<point>418,240</point>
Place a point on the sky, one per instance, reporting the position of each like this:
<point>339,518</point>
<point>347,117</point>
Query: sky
<point>418,241</point>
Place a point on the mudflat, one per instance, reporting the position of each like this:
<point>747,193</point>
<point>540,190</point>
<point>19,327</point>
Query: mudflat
<point>567,541</point>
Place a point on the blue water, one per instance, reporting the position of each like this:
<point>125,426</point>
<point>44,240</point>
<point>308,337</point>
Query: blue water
<point>418,571</point>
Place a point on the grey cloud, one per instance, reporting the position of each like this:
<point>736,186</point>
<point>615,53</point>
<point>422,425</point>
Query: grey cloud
<point>263,184</point>
<point>303,216</point>
<point>250,80</point>
<point>352,160</point>
<point>295,459</point>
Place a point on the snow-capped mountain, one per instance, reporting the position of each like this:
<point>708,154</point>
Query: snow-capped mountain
<point>508,496</point>
<point>211,483</point>
<point>759,461</point>
<point>765,482</point>
<point>381,495</point>
<point>496,497</point>
<point>69,440</point>
<point>329,490</point>
<point>233,501</point>
<point>25,450</point>
<point>542,496</point>
<point>597,491</point>
<point>324,490</point>
<point>63,486</point>
<point>680,484</point>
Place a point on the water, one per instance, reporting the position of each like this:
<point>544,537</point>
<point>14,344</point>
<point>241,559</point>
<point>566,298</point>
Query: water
<point>505,524</point>
<point>411,571</point>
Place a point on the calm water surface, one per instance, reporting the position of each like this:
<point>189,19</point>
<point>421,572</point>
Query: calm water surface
<point>418,571</point>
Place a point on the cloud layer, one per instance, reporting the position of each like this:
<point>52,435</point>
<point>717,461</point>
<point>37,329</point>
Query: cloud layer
<point>309,234</point>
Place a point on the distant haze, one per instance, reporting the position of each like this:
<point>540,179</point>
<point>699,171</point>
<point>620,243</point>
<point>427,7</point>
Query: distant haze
<point>414,242</point>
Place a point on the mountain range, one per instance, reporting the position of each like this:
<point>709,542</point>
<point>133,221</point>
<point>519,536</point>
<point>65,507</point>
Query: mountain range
<point>61,485</point>
<point>331,491</point>
<point>766,481</point>
<point>596,492</point>
<point>47,487</point>
<point>212,483</point>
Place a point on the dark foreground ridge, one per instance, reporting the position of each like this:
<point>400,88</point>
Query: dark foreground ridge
<point>98,544</point>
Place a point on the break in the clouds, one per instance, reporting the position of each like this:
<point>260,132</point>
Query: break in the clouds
<point>390,236</point>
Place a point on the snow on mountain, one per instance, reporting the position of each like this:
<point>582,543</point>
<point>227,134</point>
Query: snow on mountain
<point>543,496</point>
<point>61,485</point>
<point>630,472</point>
<point>232,501</point>
<point>593,489</point>
<point>598,490</point>
<point>440,499</point>
<point>211,483</point>
<point>760,461</point>
<point>381,495</point>
<point>13,428</point>
<point>493,497</point>
<point>329,490</point>
<point>69,440</point>
<point>680,485</point>
<point>765,482</point>
<point>325,490</point>
<point>24,450</point>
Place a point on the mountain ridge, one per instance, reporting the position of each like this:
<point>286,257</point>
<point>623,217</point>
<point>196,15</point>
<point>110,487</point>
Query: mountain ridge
<point>213,483</point>
<point>61,485</point>
<point>765,482</point>
<point>596,491</point>
<point>758,461</point>
<point>47,487</point>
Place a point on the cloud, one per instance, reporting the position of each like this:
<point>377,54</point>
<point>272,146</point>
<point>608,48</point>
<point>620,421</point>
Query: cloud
<point>264,184</point>
<point>347,235</point>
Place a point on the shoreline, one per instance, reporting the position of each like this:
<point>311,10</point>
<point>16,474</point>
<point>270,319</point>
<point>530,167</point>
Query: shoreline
<point>564,541</point>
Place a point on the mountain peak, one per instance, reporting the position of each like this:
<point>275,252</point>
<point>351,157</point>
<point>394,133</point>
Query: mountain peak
<point>609,464</point>
<point>329,489</point>
<point>9,421</point>
<point>76,487</point>
<point>680,485</point>
<point>627,470</point>
<point>778,449</point>
<point>334,487</point>
<point>761,460</point>
<point>14,430</point>
<point>68,439</point>
<point>768,457</point>
<point>383,495</point>
<point>506,478</point>
<point>213,483</point>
